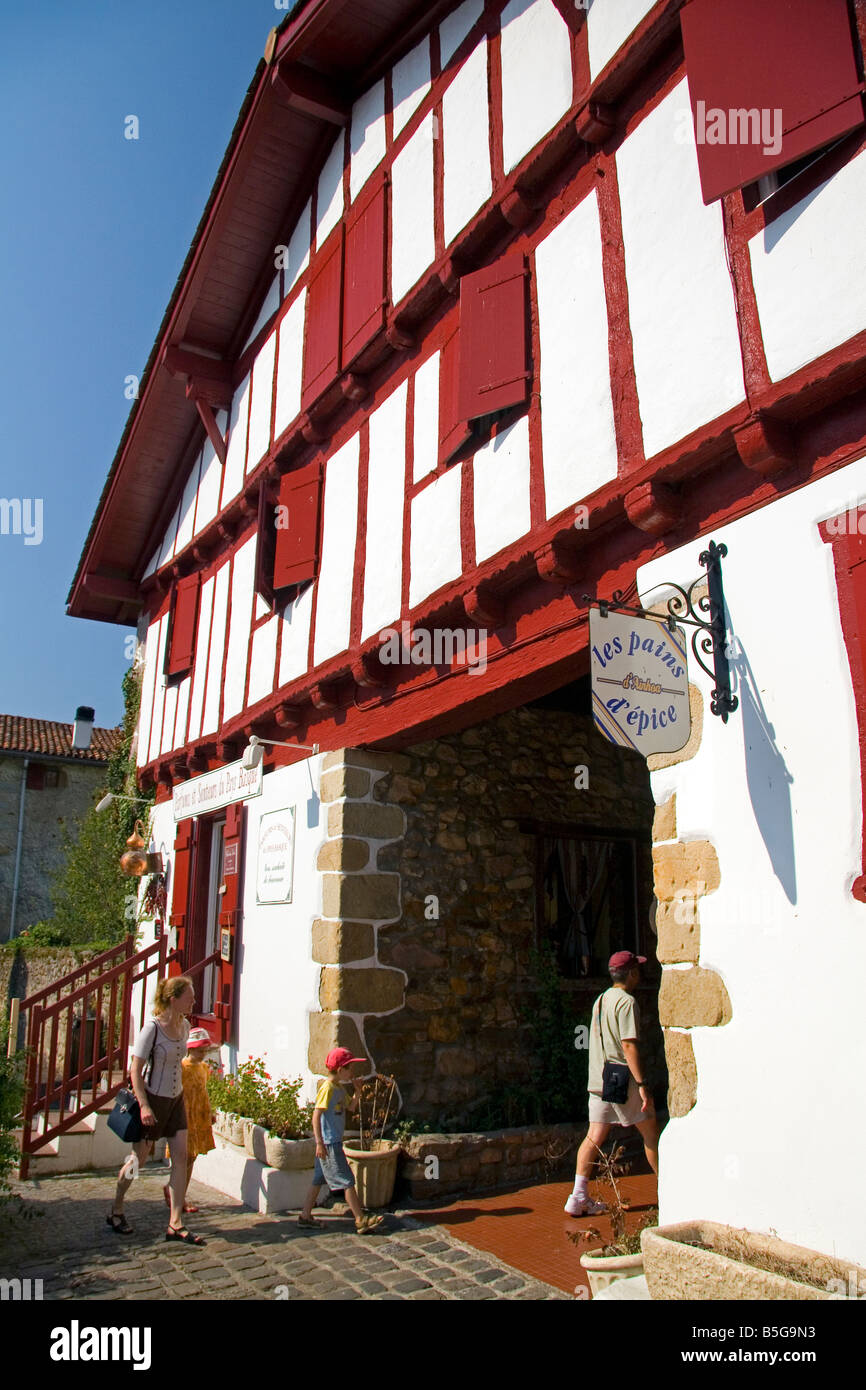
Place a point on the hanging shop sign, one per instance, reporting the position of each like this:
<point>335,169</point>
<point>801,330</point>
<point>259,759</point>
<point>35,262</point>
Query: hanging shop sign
<point>234,782</point>
<point>640,682</point>
<point>276,856</point>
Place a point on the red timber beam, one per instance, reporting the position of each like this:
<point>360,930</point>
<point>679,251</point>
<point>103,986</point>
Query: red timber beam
<point>208,386</point>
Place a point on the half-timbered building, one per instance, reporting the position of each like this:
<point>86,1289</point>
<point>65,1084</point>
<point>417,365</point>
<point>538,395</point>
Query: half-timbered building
<point>495,308</point>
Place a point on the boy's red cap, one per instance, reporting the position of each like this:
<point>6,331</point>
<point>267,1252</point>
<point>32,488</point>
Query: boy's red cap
<point>341,1057</point>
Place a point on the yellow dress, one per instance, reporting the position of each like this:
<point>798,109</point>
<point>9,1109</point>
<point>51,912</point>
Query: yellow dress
<point>200,1138</point>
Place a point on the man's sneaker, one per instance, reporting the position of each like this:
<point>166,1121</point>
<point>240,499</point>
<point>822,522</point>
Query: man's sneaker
<point>575,1206</point>
<point>367,1223</point>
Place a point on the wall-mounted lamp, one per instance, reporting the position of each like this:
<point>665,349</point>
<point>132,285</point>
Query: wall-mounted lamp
<point>106,801</point>
<point>255,750</point>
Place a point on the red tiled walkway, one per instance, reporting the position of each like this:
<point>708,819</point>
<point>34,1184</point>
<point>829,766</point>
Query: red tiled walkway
<point>527,1228</point>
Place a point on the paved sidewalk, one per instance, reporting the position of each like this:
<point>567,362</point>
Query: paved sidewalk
<point>248,1256</point>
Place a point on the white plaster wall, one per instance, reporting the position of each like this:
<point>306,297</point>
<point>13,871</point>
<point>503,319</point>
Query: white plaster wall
<point>276,978</point>
<point>425,424</point>
<point>681,302</point>
<point>167,548</point>
<point>213,690</point>
<point>210,481</point>
<point>807,268</point>
<point>435,556</point>
<point>187,508</point>
<point>386,482</point>
<point>367,136</point>
<point>577,427</point>
<point>241,610</point>
<point>298,252</point>
<point>455,27</point>
<point>609,23</point>
<point>295,639</point>
<point>158,693</point>
<point>339,536</point>
<point>289,365</point>
<point>168,713</point>
<point>181,712</point>
<point>270,305</point>
<point>148,682</point>
<point>202,649</point>
<point>329,196</point>
<point>260,403</point>
<point>777,792</point>
<point>233,473</point>
<point>501,488</point>
<point>152,563</point>
<point>263,657</point>
<point>410,83</point>
<point>412,244</point>
<point>466,147</point>
<point>536,75</point>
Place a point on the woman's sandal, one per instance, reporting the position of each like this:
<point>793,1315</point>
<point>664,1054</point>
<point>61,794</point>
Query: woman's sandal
<point>187,1206</point>
<point>183,1234</point>
<point>310,1221</point>
<point>118,1223</point>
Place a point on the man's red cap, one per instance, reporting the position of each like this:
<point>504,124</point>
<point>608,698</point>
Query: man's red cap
<point>620,960</point>
<point>341,1057</point>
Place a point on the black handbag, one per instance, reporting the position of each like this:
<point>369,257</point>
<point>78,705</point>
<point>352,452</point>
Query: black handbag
<point>125,1118</point>
<point>615,1076</point>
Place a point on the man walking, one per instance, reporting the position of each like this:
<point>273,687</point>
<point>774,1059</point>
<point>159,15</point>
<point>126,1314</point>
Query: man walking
<point>613,1037</point>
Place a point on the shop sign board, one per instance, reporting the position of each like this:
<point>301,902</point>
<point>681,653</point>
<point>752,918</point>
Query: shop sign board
<point>276,856</point>
<point>211,790</point>
<point>640,682</point>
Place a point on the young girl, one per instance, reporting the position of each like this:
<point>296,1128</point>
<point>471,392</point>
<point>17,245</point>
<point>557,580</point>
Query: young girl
<point>200,1116</point>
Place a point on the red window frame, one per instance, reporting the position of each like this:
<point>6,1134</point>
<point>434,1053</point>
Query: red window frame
<point>768,56</point>
<point>180,647</point>
<point>296,546</point>
<point>493,338</point>
<point>365,296</point>
<point>843,534</point>
<point>322,337</point>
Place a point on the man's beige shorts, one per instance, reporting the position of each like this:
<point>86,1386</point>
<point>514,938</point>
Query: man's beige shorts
<point>602,1112</point>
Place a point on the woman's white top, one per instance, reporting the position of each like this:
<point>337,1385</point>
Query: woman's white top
<point>163,1077</point>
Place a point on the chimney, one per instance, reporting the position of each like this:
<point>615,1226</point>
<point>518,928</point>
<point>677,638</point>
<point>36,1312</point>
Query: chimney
<point>82,729</point>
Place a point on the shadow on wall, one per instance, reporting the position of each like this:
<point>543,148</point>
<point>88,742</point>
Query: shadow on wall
<point>767,776</point>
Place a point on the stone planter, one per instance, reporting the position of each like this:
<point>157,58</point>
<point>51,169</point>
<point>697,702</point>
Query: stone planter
<point>603,1270</point>
<point>219,1124</point>
<point>289,1155</point>
<point>234,1130</point>
<point>706,1260</point>
<point>254,1140</point>
<point>375,1171</point>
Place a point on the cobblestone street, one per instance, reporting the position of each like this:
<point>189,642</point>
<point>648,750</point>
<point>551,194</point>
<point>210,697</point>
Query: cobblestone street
<point>248,1256</point>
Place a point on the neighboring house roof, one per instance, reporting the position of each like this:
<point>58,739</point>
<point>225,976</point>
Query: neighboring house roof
<point>268,172</point>
<point>45,738</point>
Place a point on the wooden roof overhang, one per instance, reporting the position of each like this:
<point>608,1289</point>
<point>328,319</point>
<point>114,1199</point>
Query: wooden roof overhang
<point>323,55</point>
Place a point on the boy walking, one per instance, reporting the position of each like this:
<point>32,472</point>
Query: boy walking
<point>329,1124</point>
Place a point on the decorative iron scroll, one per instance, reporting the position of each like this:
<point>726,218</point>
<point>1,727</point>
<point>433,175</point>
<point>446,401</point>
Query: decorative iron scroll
<point>708,639</point>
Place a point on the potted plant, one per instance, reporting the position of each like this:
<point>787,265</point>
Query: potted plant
<point>288,1145</point>
<point>372,1157</point>
<point>621,1257</point>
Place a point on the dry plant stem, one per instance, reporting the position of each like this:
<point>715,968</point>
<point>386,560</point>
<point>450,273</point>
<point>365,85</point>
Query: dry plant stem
<point>384,1124</point>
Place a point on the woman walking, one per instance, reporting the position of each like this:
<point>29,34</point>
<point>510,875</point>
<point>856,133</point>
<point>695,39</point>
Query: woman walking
<point>161,1046</point>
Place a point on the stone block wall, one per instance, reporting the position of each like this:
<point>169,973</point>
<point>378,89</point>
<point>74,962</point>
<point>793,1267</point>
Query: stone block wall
<point>429,899</point>
<point>487,1162</point>
<point>684,871</point>
<point>48,814</point>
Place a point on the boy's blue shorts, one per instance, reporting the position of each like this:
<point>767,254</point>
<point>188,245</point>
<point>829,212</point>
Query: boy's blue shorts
<point>333,1170</point>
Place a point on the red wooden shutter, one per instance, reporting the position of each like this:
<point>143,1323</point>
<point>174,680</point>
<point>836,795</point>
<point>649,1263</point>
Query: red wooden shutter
<point>791,56</point>
<point>364,295</point>
<point>493,372</point>
<point>183,625</point>
<point>230,910</point>
<point>296,550</point>
<point>322,344</point>
<point>180,881</point>
<point>452,430</point>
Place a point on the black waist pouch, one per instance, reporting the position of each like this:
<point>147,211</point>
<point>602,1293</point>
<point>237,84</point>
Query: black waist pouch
<point>614,1083</point>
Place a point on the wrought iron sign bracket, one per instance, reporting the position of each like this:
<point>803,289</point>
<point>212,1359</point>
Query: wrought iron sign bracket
<point>709,636</point>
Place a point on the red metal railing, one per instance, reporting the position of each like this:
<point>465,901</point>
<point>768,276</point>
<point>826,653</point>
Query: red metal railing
<point>68,1073</point>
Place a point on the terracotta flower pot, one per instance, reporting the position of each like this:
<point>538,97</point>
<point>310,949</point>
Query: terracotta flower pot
<point>375,1171</point>
<point>602,1270</point>
<point>289,1155</point>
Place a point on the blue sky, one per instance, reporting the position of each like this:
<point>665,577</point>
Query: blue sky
<point>94,229</point>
